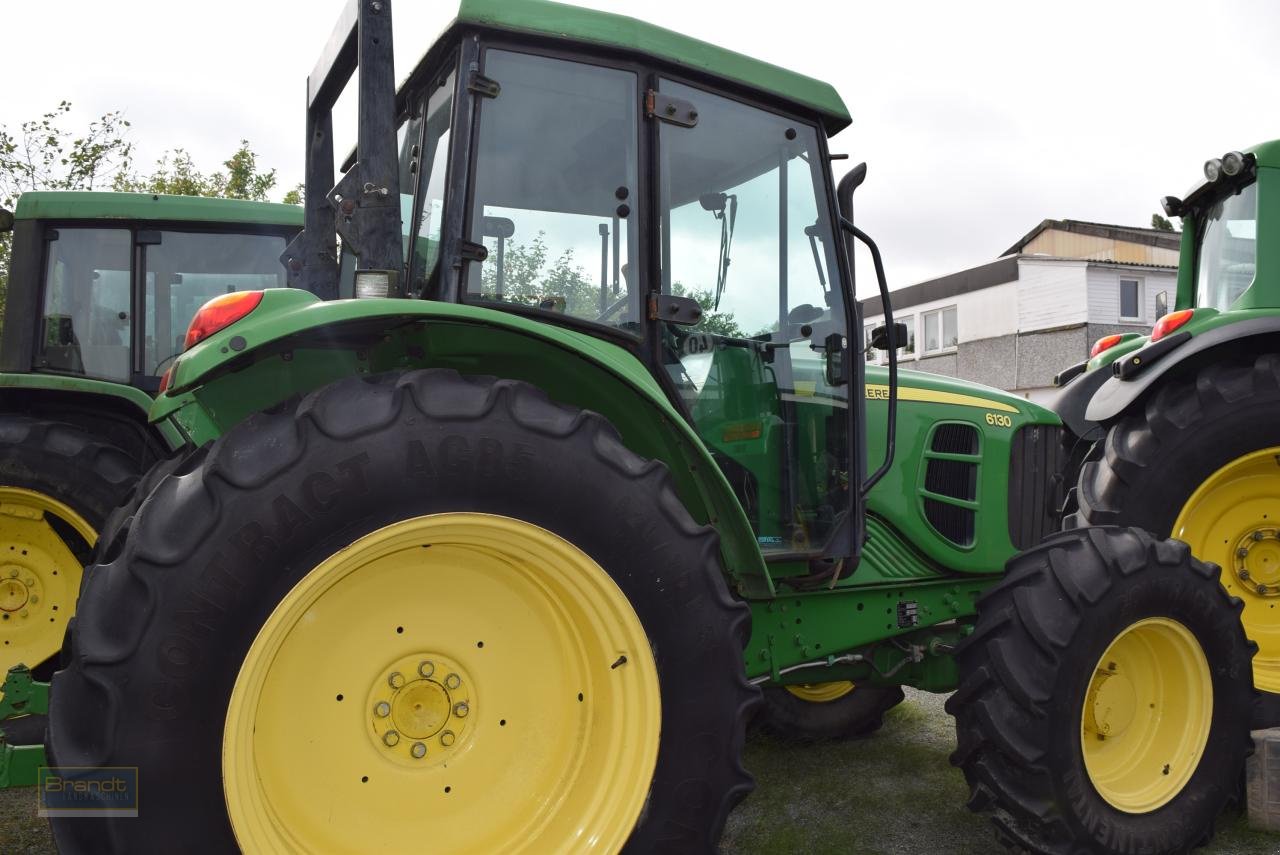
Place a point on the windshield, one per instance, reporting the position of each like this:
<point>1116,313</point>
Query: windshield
<point>85,323</point>
<point>746,232</point>
<point>185,270</point>
<point>555,188</point>
<point>1228,251</point>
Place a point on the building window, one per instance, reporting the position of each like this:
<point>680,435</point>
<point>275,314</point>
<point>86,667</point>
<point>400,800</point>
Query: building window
<point>940,330</point>
<point>1130,300</point>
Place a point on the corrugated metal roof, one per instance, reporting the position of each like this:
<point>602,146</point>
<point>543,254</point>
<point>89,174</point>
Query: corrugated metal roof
<point>1129,234</point>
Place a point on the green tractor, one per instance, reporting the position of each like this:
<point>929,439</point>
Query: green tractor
<point>102,287</point>
<point>500,554</point>
<point>1179,431</point>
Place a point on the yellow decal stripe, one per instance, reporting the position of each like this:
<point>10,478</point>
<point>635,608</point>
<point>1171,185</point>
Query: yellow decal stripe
<point>930,396</point>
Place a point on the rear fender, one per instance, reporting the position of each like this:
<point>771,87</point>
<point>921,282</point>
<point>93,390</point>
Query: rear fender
<point>292,344</point>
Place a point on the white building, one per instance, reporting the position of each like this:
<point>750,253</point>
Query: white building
<point>1015,322</point>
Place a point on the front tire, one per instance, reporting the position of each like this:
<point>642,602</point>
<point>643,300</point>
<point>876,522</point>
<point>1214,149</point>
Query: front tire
<point>416,554</point>
<point>1198,463</point>
<point>821,712</point>
<point>1104,697</point>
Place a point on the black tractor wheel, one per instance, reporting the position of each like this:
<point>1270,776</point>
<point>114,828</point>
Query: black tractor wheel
<point>818,712</point>
<point>1104,697</point>
<point>413,607</point>
<point>1201,462</point>
<point>58,485</point>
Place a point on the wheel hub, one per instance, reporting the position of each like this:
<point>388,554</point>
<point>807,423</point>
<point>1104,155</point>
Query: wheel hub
<point>1112,703</point>
<point>420,707</point>
<point>1257,561</point>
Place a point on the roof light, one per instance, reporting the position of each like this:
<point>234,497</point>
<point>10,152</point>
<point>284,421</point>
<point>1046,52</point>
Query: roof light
<point>1170,322</point>
<point>1232,163</point>
<point>1105,343</point>
<point>220,313</point>
<point>375,283</point>
<point>1213,169</point>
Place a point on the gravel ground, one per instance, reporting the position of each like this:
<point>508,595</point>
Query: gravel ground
<point>894,793</point>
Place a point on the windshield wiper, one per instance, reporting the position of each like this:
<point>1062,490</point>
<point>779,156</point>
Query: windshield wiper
<point>724,207</point>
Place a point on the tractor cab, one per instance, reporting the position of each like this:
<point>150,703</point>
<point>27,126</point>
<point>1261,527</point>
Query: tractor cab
<point>632,195</point>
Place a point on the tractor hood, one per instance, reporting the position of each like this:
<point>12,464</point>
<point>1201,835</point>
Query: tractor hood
<point>918,387</point>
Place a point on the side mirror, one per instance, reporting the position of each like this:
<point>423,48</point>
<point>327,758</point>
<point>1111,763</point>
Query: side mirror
<point>1162,304</point>
<point>6,220</point>
<point>880,338</point>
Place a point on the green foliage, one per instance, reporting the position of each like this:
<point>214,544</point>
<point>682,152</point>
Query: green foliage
<point>44,155</point>
<point>176,173</point>
<point>296,196</point>
<point>713,322</point>
<point>529,278</point>
<point>1161,223</point>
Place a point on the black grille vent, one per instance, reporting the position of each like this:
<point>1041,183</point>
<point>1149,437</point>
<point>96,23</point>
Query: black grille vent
<point>1035,484</point>
<point>956,439</point>
<point>952,522</point>
<point>953,478</point>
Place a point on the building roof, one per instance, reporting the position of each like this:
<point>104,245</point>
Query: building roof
<point>94,205</point>
<point>974,279</point>
<point>620,32</point>
<point>1128,234</point>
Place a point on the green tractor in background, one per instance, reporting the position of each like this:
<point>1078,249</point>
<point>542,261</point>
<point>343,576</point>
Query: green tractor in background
<point>498,555</point>
<point>102,287</point>
<point>1180,430</point>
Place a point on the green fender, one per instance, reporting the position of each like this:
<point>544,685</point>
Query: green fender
<point>62,385</point>
<point>293,343</point>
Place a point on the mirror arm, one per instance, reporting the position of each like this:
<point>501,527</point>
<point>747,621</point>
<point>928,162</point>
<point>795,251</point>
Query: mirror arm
<point>892,420</point>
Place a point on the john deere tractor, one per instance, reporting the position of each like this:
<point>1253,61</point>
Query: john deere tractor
<point>1182,427</point>
<point>499,554</point>
<point>101,289</point>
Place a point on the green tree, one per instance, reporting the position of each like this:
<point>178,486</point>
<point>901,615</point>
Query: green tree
<point>44,154</point>
<point>529,278</point>
<point>1161,223</point>
<point>176,173</point>
<point>713,322</point>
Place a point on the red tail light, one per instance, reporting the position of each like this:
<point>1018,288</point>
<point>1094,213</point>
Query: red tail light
<point>1105,343</point>
<point>220,313</point>
<point>164,379</point>
<point>1170,322</point>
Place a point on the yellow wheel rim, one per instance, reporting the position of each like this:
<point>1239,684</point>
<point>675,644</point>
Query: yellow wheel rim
<point>1233,520</point>
<point>1146,715</point>
<point>454,683</point>
<point>39,575</point>
<point>821,693</point>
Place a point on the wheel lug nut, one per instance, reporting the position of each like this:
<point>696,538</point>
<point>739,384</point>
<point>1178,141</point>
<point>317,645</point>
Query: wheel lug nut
<point>446,738</point>
<point>35,598</point>
<point>390,738</point>
<point>1242,553</point>
<point>461,709</point>
<point>418,750</point>
<point>1244,575</point>
<point>453,681</point>
<point>1262,589</point>
<point>1257,535</point>
<point>29,582</point>
<point>396,680</point>
<point>13,574</point>
<point>382,709</point>
<point>426,668</point>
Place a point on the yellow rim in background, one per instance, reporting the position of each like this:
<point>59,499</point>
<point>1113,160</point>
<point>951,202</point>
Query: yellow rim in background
<point>1146,715</point>
<point>1233,520</point>
<point>39,575</point>
<point>453,683</point>
<point>821,693</point>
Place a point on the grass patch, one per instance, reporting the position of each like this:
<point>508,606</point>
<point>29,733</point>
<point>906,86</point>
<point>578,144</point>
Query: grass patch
<point>891,793</point>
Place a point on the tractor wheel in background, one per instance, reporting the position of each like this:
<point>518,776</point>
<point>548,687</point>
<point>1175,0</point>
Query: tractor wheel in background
<point>1104,697</point>
<point>413,607</point>
<point>816,712</point>
<point>58,485</point>
<point>1201,463</point>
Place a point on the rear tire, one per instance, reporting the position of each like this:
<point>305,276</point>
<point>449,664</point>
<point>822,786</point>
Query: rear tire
<point>1104,631</point>
<point>1158,469</point>
<point>825,712</point>
<point>214,561</point>
<point>59,484</point>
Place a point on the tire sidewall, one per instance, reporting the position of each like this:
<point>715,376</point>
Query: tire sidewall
<point>1170,827</point>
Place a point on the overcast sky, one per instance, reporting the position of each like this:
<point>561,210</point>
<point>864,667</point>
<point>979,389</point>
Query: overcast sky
<point>978,119</point>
